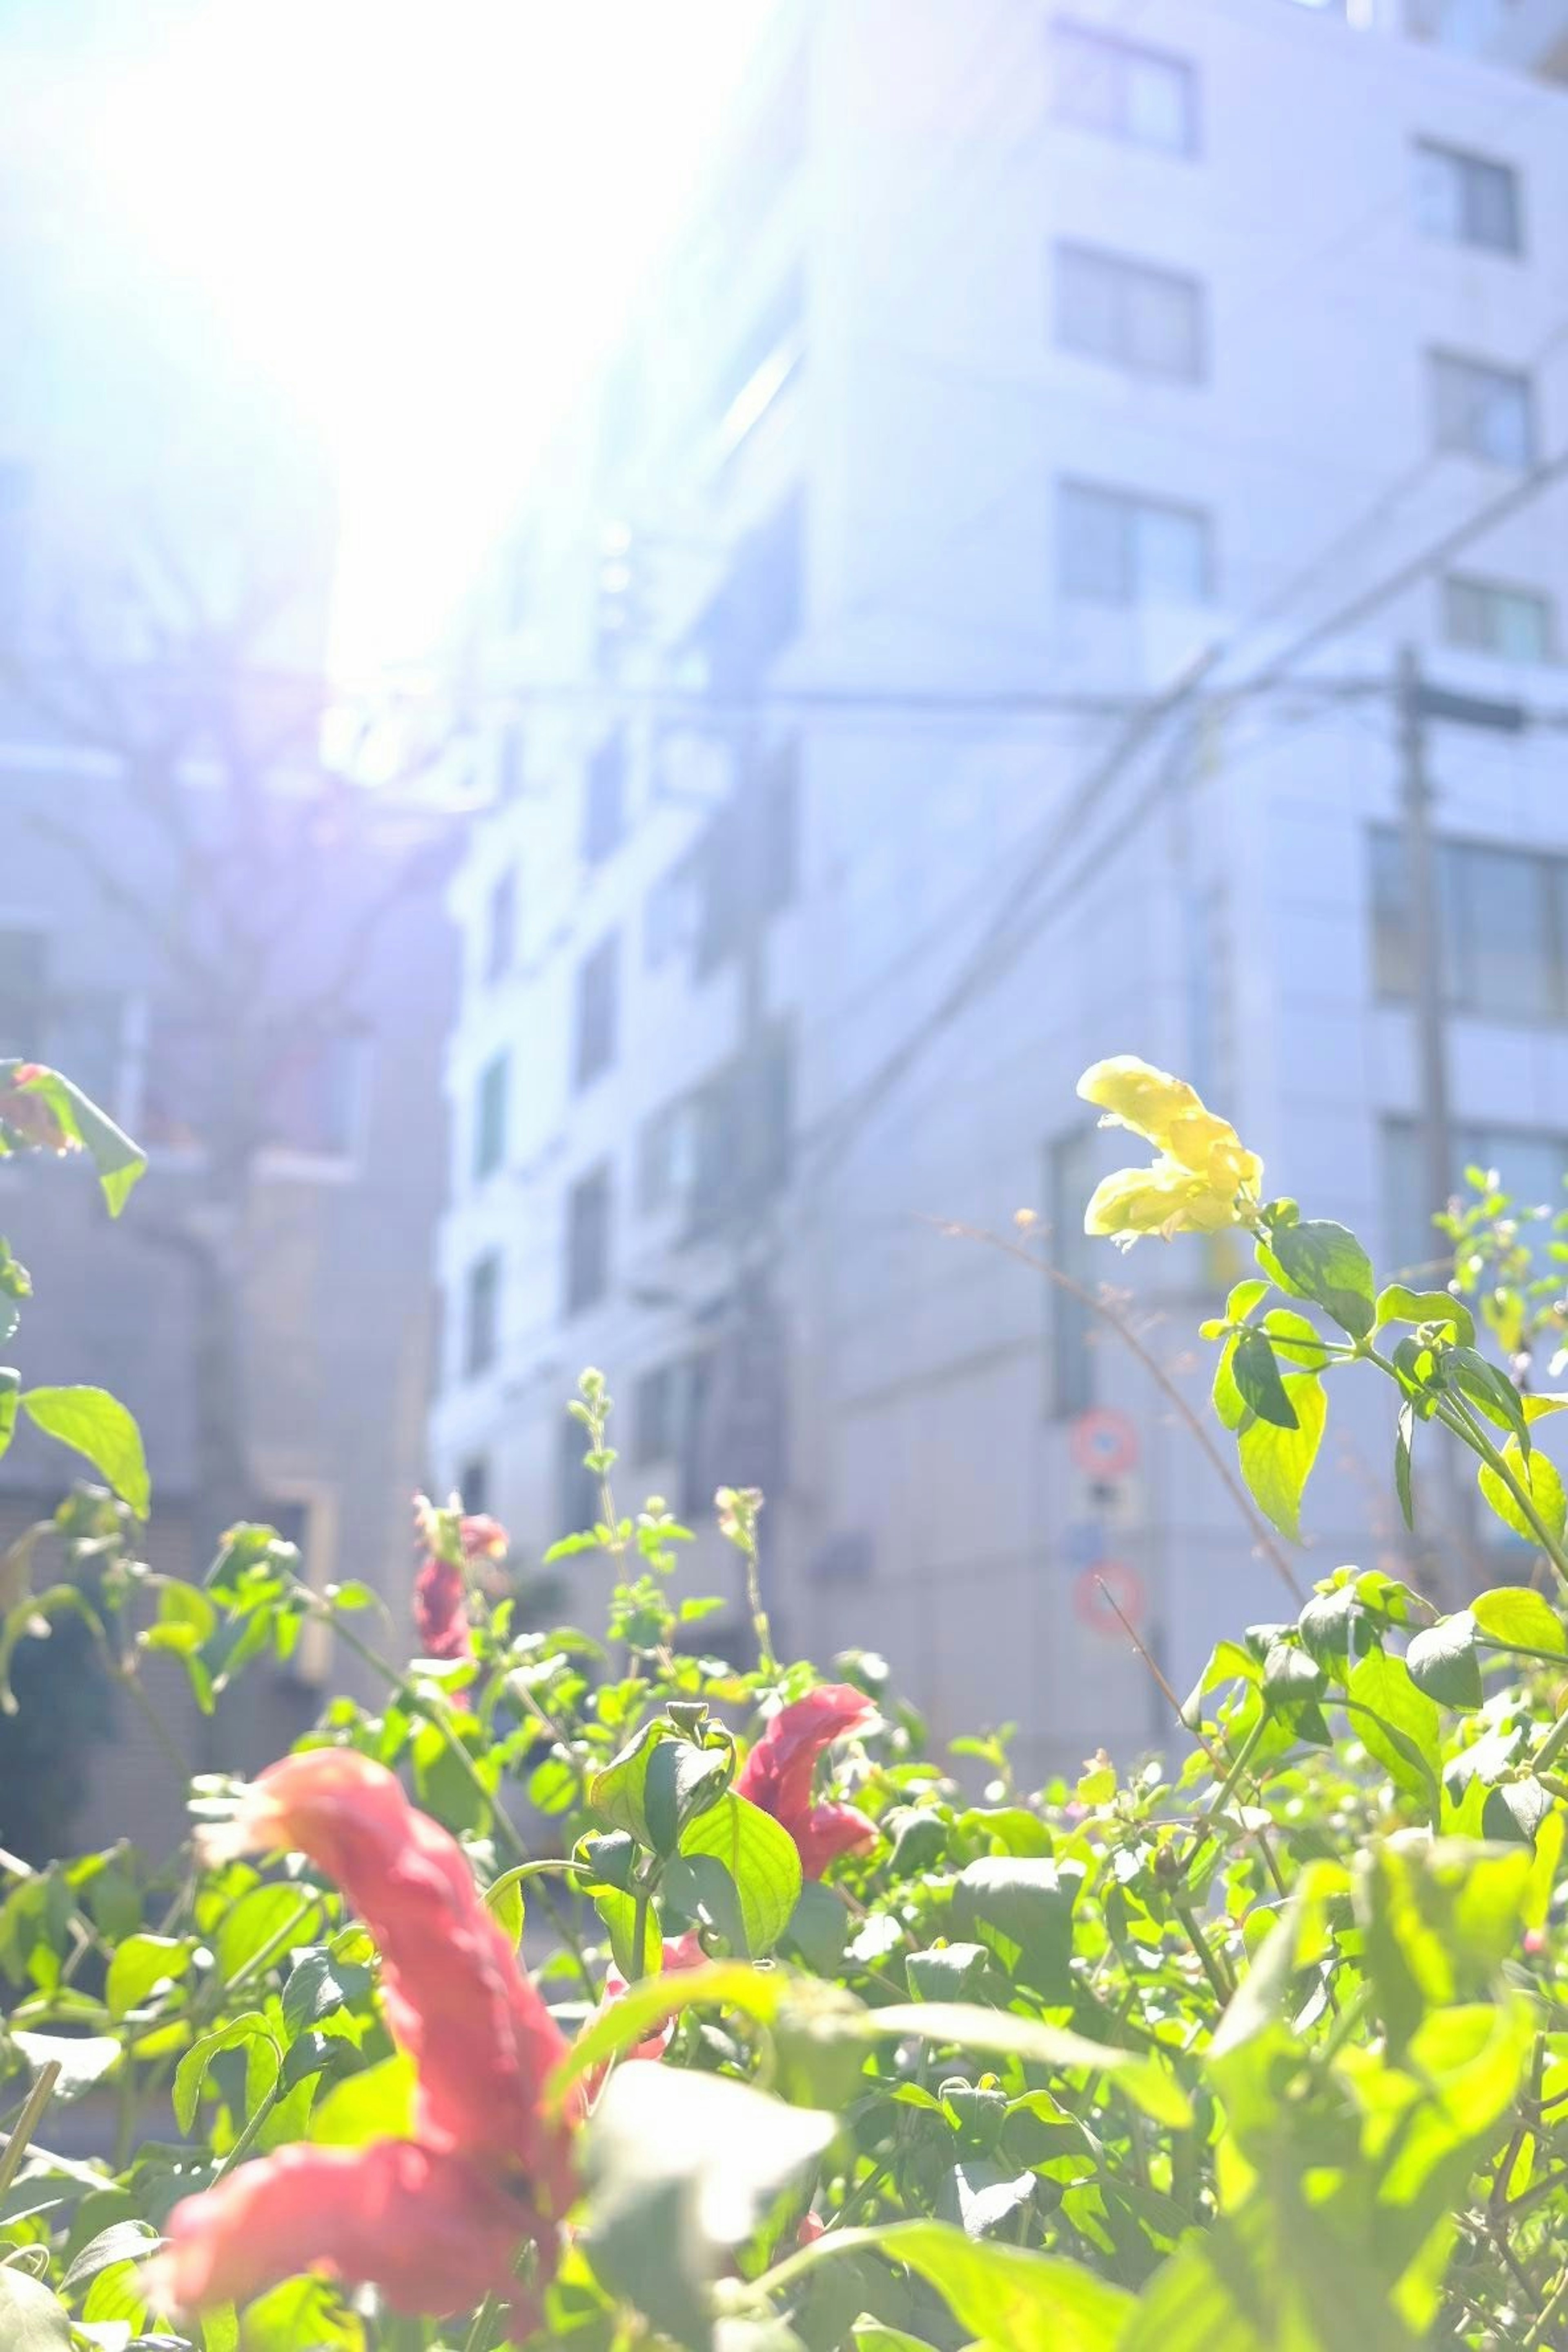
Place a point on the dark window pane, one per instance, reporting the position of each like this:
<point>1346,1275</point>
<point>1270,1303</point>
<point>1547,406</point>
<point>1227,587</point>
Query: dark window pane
<point>482,1318</point>
<point>597,998</point>
<point>587,1240</point>
<point>501,924</point>
<point>605,808</point>
<point>491,1120</point>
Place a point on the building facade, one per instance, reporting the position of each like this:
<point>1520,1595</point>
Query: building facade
<point>961,641</point>
<point>244,959</point>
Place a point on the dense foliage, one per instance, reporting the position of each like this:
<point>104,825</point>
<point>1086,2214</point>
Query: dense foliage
<point>1262,2048</point>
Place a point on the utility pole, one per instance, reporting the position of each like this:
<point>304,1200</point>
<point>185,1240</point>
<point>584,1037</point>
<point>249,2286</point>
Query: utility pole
<point>1425,936</point>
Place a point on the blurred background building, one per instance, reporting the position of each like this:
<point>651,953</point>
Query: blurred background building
<point>1072,544</point>
<point>241,958</point>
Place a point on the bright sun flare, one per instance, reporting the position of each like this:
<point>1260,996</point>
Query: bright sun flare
<point>424,222</point>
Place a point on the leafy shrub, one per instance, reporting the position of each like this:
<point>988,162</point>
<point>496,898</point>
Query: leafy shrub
<point>1261,2049</point>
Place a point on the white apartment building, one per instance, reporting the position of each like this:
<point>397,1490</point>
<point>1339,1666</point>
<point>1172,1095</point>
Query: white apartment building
<point>1025,351</point>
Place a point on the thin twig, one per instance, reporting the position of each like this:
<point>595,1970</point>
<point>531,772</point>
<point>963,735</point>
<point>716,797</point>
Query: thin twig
<point>1156,1371</point>
<point>38,2098</point>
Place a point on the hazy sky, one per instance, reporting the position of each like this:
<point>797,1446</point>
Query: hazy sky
<point>421,218</point>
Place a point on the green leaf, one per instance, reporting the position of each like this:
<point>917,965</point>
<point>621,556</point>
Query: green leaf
<point>1022,1908</point>
<point>271,1920</point>
<point>10,1391</point>
<point>1541,1481</point>
<point>1001,2033</point>
<point>504,1901</point>
<point>319,1986</point>
<point>119,1161</point>
<point>1491,1392</point>
<point>1514,1616</point>
<point>83,2059</point>
<point>191,2071</point>
<point>680,1782</point>
<point>140,1964</point>
<point>375,2104</point>
<point>95,1424</point>
<point>617,1792</point>
<point>1442,1661</point>
<point>1396,1304</point>
<point>1002,2295</point>
<point>122,2242</point>
<point>31,2319</point>
<point>1277,1463</point>
<point>1438,1921</point>
<point>1255,1372</point>
<point>760,1856</point>
<point>1404,1463</point>
<point>681,2165</point>
<point>1399,1725</point>
<point>303,2311</point>
<point>1325,1263</point>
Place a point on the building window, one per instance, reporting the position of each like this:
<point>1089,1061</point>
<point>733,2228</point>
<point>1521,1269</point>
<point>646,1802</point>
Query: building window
<point>1145,319</point>
<point>474,1483</point>
<point>757,611</point>
<point>482,1315</point>
<point>672,915</point>
<point>1530,1167</point>
<point>1115,548</point>
<point>1503,920</point>
<point>597,996</point>
<point>490,1116</point>
<point>500,926</point>
<point>1144,96</point>
<point>588,1240</point>
<point>1482,411</point>
<point>605,806</point>
<point>666,1156</point>
<point>1070,1179</point>
<point>776,832</point>
<point>667,1409</point>
<point>743,1122</point>
<point>1466,200</point>
<point>1515,624</point>
<point>769,358</point>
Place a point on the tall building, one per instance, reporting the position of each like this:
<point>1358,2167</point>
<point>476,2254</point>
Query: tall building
<point>961,641</point>
<point>243,962</point>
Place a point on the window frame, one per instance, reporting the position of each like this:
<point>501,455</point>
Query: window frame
<point>482,1279</point>
<point>1480,585</point>
<point>1549,872</point>
<point>1130,505</point>
<point>492,1106</point>
<point>596,1017</point>
<point>1467,162</point>
<point>1123,274</point>
<point>1123,57</point>
<point>579,1293</point>
<point>1441,357</point>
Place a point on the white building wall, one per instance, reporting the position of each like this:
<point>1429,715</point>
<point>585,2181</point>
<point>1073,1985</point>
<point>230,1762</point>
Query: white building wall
<point>931,1496</point>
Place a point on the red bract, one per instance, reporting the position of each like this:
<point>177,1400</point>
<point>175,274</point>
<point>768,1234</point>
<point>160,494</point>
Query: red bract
<point>440,1610</point>
<point>777,1774</point>
<point>29,1115</point>
<point>432,2231</point>
<point>481,2040</point>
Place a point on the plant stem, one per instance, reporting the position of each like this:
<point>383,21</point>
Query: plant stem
<point>252,2132</point>
<point>478,2333</point>
<point>1212,1966</point>
<point>26,2123</point>
<point>1457,1416</point>
<point>639,1934</point>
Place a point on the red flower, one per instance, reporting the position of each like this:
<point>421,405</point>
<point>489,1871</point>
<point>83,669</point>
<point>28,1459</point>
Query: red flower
<point>483,2045</point>
<point>680,1952</point>
<point>440,1610</point>
<point>481,1537</point>
<point>432,2231</point>
<point>30,1115</point>
<point>777,1774</point>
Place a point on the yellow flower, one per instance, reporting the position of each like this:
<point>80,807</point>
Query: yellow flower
<point>1203,1179</point>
